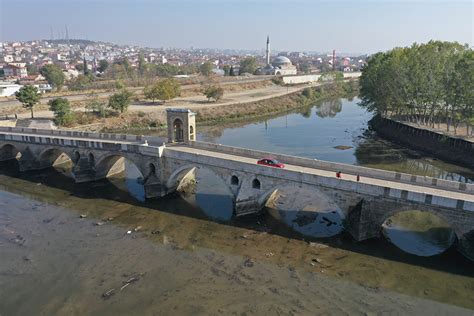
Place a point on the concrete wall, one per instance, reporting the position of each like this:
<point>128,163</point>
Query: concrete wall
<point>348,169</point>
<point>300,79</point>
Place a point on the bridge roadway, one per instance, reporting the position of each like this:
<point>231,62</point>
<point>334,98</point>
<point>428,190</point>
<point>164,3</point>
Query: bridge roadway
<point>418,188</point>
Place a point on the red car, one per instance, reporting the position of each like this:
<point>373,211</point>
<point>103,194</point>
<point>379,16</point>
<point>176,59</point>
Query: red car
<point>271,162</point>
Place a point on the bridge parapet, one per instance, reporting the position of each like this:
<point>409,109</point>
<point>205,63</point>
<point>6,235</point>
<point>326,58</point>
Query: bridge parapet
<point>344,168</point>
<point>82,134</point>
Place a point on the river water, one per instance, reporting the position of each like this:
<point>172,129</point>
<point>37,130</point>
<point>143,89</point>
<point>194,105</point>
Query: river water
<point>67,245</point>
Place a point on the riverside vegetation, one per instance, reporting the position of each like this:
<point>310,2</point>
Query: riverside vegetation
<point>428,84</point>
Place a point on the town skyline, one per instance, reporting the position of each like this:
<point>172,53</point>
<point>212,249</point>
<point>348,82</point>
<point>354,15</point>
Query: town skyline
<point>341,25</point>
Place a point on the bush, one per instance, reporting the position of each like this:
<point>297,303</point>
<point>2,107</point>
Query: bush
<point>62,111</point>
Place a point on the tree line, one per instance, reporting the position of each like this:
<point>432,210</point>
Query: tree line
<point>428,84</point>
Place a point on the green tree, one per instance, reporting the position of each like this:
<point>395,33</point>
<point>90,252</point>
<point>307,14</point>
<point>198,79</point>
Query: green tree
<point>120,100</point>
<point>62,111</point>
<point>206,69</point>
<point>248,65</point>
<point>213,92</point>
<point>141,65</point>
<point>54,75</point>
<point>168,89</point>
<point>231,71</point>
<point>152,92</point>
<point>103,65</point>
<point>226,69</point>
<point>28,96</point>
<point>96,106</point>
<point>81,82</point>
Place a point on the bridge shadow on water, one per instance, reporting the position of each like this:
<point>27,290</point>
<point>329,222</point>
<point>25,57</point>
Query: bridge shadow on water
<point>451,261</point>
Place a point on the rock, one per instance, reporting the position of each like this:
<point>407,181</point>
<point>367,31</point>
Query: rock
<point>318,245</point>
<point>156,232</point>
<point>137,228</point>
<point>249,262</point>
<point>107,294</point>
<point>99,223</point>
<point>83,216</point>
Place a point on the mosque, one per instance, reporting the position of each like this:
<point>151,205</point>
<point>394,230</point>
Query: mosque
<point>280,66</point>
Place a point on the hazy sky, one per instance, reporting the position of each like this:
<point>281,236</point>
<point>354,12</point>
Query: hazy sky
<point>347,26</point>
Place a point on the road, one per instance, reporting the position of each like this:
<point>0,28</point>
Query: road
<point>199,101</point>
<point>80,96</point>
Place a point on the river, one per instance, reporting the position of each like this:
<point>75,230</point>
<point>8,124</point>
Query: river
<point>101,249</point>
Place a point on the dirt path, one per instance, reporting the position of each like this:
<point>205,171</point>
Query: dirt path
<point>199,101</point>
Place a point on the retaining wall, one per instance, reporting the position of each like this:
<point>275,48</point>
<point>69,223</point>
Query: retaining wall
<point>449,148</point>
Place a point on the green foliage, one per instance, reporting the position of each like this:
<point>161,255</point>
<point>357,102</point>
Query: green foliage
<point>308,93</point>
<point>277,80</point>
<point>226,69</point>
<point>427,84</point>
<point>28,96</point>
<point>231,71</point>
<point>103,65</point>
<point>248,65</point>
<point>81,82</point>
<point>141,65</point>
<point>62,111</point>
<point>54,75</point>
<point>166,89</point>
<point>305,67</point>
<point>96,106</point>
<point>120,101</point>
<point>206,69</point>
<point>213,92</point>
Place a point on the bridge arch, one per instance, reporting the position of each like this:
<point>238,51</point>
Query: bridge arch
<point>177,176</point>
<point>406,208</point>
<point>110,165</point>
<point>305,209</point>
<point>9,151</point>
<point>414,240</point>
<point>53,156</point>
<point>466,244</point>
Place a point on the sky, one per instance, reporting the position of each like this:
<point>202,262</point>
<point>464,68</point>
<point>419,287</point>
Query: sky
<point>352,26</point>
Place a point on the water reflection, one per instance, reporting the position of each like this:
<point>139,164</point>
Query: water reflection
<point>419,233</point>
<point>211,195</point>
<point>308,212</point>
<point>318,132</point>
<point>329,108</point>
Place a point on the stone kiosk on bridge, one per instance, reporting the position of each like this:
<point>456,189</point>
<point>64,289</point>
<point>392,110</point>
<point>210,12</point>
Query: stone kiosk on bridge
<point>167,167</point>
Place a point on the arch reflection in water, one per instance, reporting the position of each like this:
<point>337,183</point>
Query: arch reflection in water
<point>306,211</point>
<point>130,179</point>
<point>211,194</point>
<point>419,233</point>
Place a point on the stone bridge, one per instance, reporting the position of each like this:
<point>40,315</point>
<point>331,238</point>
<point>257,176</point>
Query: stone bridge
<point>366,203</point>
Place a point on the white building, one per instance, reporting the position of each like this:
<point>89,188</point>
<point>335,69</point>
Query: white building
<point>280,66</point>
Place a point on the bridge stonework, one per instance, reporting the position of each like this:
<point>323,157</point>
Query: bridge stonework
<point>167,168</point>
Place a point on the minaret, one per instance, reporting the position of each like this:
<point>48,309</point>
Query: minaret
<point>268,50</point>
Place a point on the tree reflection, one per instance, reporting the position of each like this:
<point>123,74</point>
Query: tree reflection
<point>329,108</point>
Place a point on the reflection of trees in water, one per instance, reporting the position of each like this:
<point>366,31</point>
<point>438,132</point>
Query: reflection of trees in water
<point>375,152</point>
<point>329,108</point>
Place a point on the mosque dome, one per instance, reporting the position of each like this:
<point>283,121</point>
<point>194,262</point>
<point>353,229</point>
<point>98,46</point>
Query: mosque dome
<point>281,61</point>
